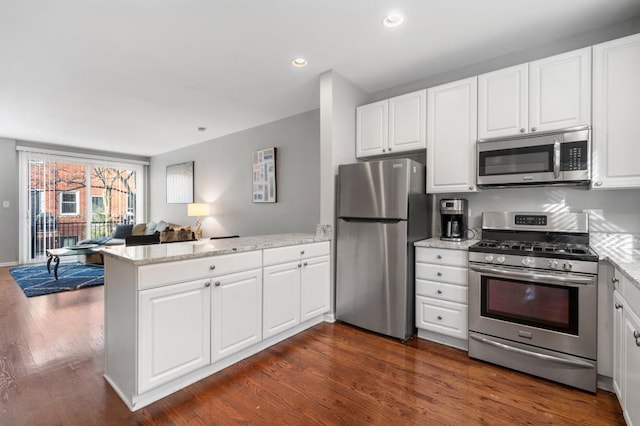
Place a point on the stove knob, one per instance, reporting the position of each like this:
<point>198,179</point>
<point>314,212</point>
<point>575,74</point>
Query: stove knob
<point>526,261</point>
<point>553,264</point>
<point>500,259</point>
<point>488,258</point>
<point>567,266</point>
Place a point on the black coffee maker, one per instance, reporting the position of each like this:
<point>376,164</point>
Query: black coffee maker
<point>453,219</point>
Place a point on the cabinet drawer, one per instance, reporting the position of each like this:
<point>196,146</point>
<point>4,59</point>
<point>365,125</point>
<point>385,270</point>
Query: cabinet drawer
<point>442,291</point>
<point>290,253</point>
<point>442,317</point>
<point>442,256</point>
<point>440,273</point>
<point>165,273</point>
<point>630,293</point>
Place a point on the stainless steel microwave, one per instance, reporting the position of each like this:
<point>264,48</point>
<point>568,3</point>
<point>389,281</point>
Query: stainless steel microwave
<point>536,159</point>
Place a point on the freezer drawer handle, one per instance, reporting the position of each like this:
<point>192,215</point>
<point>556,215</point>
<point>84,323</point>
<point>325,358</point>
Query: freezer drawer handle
<point>544,357</point>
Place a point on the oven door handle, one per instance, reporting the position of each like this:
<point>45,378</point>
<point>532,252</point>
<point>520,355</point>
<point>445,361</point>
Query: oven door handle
<point>544,357</point>
<point>535,276</point>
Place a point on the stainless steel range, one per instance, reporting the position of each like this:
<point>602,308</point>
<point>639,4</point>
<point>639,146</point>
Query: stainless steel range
<point>533,296</point>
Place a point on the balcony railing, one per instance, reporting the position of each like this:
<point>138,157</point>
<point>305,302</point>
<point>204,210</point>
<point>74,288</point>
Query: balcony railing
<point>56,234</point>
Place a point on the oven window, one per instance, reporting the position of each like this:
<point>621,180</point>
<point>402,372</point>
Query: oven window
<point>533,159</point>
<point>539,305</point>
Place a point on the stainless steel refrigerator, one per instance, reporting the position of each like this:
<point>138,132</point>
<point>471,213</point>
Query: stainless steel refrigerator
<point>382,211</point>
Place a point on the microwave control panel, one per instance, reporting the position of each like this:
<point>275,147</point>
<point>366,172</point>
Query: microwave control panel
<point>574,156</point>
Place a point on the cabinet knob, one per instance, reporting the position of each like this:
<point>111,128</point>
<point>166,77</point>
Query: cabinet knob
<point>384,150</point>
<point>299,265</point>
<point>217,283</point>
<point>301,251</point>
<point>212,267</point>
<point>439,256</point>
<point>439,318</point>
<point>207,284</point>
<point>471,188</point>
<point>533,129</point>
<point>598,183</point>
<point>636,336</point>
<point>439,292</point>
<point>618,306</point>
<point>305,263</point>
<point>523,130</point>
<point>389,149</point>
<point>614,280</point>
<point>439,274</point>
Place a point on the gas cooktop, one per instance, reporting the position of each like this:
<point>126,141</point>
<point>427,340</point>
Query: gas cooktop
<point>536,249</point>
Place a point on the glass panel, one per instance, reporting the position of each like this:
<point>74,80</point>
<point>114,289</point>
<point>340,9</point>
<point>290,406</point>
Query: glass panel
<point>539,305</point>
<point>537,159</point>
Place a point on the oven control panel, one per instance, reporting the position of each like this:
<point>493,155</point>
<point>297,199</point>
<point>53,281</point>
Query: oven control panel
<point>531,219</point>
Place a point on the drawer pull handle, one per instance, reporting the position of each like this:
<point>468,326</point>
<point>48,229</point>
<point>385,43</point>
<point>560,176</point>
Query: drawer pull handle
<point>439,274</point>
<point>207,284</point>
<point>439,318</point>
<point>439,292</point>
<point>301,251</point>
<point>217,283</point>
<point>212,267</point>
<point>439,256</point>
<point>618,306</point>
<point>299,265</point>
<point>305,263</point>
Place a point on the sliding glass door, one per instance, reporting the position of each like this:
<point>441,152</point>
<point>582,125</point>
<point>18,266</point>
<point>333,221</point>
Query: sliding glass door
<point>68,200</point>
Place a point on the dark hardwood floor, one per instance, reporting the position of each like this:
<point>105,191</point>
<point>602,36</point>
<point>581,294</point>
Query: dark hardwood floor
<point>51,365</point>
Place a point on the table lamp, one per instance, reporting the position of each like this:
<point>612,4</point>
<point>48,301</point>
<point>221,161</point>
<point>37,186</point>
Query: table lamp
<point>198,210</point>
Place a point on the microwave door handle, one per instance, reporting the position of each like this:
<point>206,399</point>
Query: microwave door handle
<point>556,159</point>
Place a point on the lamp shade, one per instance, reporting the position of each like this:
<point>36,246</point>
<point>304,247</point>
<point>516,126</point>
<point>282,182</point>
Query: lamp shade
<point>198,209</point>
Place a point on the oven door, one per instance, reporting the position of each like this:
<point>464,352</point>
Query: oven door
<point>547,309</point>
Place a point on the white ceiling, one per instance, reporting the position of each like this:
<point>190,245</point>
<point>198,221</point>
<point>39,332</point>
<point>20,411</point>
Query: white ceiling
<point>139,76</point>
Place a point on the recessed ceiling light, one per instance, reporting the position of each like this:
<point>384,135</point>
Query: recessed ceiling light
<point>393,19</point>
<point>202,129</point>
<point>299,62</point>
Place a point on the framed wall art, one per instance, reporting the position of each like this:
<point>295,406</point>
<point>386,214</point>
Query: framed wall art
<point>264,176</point>
<point>180,183</point>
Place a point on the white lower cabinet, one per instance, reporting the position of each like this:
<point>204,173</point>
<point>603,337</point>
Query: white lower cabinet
<point>626,347</point>
<point>236,317</point>
<point>441,295</point>
<point>296,286</point>
<point>174,329</point>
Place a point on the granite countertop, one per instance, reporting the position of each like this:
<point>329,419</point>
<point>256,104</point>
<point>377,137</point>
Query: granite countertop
<point>621,250</point>
<point>438,243</point>
<point>159,253</point>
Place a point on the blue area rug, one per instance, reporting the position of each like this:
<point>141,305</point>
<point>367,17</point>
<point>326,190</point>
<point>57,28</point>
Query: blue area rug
<point>34,280</point>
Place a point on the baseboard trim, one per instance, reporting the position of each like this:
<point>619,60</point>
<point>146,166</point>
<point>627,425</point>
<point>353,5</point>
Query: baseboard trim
<point>5,264</point>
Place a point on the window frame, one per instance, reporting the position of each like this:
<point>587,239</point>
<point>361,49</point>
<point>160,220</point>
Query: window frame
<point>76,194</point>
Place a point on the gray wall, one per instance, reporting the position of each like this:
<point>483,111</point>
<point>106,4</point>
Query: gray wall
<point>9,192</point>
<point>223,173</point>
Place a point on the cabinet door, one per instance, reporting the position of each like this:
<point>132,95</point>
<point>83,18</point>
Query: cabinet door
<point>616,90</point>
<point>503,102</point>
<point>236,312</point>
<point>173,332</point>
<point>451,136</point>
<point>631,368</point>
<point>407,118</point>
<point>618,328</point>
<point>560,91</point>
<point>314,287</point>
<point>281,298</point>
<point>372,129</point>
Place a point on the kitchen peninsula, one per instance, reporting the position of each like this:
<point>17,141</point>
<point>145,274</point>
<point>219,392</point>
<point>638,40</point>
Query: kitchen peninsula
<point>176,313</point>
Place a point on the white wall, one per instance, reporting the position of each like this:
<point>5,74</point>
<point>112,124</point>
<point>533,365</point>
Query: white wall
<point>9,192</point>
<point>223,178</point>
<point>620,208</point>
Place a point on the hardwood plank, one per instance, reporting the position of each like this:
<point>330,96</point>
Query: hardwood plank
<point>52,361</point>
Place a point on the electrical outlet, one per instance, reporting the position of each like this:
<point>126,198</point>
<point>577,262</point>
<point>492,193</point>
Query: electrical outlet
<point>5,204</point>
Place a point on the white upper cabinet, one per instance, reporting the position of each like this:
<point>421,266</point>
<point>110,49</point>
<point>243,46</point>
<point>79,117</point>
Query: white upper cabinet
<point>372,128</point>
<point>390,126</point>
<point>503,102</point>
<point>550,94</point>
<point>407,122</point>
<point>560,91</point>
<point>616,91</point>
<point>451,136</point>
